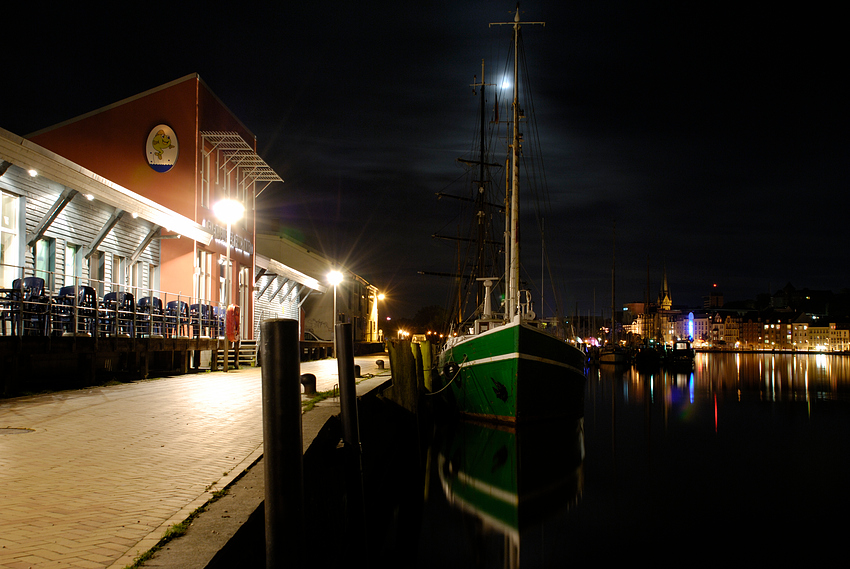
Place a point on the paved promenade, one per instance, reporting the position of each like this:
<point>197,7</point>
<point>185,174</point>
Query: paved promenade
<point>94,477</point>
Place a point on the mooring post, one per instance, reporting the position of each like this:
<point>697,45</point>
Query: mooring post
<point>347,386</point>
<point>353,465</point>
<point>282,446</point>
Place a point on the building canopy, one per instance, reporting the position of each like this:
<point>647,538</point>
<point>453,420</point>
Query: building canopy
<point>28,155</point>
<point>239,155</point>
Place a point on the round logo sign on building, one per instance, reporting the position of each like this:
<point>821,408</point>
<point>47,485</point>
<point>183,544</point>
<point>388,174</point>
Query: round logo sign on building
<point>161,149</point>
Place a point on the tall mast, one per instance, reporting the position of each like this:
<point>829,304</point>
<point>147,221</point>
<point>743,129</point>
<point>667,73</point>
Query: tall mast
<point>613,282</point>
<point>514,275</point>
<point>512,299</point>
<point>479,198</point>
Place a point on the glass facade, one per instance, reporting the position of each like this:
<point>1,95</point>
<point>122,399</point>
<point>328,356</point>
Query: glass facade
<point>9,260</point>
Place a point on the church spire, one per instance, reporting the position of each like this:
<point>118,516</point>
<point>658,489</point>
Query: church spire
<point>665,301</point>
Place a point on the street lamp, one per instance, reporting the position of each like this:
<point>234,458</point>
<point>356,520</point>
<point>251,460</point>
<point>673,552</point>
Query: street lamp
<point>228,211</point>
<point>334,278</point>
<point>381,297</point>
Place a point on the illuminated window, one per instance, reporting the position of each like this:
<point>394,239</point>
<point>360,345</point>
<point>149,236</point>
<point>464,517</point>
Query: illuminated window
<point>9,256</point>
<point>96,271</point>
<point>119,273</point>
<point>136,278</point>
<point>203,285</point>
<point>45,260</point>
<point>73,264</point>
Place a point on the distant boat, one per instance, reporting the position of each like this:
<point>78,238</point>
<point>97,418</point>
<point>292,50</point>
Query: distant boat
<point>614,355</point>
<point>648,357</point>
<point>682,353</point>
<point>512,367</point>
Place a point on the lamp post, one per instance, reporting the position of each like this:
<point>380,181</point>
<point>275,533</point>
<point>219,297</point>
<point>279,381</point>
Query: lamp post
<point>228,211</point>
<point>334,278</point>
<point>381,297</point>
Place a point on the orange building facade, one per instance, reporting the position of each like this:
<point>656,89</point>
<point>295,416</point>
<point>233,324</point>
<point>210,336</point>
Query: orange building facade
<point>179,145</point>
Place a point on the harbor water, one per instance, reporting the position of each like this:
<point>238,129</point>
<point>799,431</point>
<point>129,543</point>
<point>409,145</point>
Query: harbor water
<point>745,458</point>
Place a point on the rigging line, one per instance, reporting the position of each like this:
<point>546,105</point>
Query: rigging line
<point>539,188</point>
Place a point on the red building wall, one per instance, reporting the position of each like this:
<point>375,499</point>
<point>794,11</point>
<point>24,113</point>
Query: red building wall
<point>111,143</point>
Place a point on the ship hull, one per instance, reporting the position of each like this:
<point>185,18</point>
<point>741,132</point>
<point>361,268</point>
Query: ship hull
<point>514,373</point>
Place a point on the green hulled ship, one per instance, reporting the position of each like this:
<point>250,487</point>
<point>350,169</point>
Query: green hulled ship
<point>509,366</point>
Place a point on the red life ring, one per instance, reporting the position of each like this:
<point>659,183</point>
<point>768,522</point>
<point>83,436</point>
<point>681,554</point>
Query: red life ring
<point>232,322</point>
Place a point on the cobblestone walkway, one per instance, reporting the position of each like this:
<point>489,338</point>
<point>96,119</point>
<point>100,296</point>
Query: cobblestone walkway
<point>92,478</point>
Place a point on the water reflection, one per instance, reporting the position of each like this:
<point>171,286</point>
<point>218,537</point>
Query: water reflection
<point>496,491</point>
<point>768,377</point>
<point>746,455</point>
<point>742,458</point>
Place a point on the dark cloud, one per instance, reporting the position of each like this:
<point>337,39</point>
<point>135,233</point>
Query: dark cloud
<point>714,134</point>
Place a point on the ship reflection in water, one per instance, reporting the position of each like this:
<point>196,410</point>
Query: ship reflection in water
<point>498,488</point>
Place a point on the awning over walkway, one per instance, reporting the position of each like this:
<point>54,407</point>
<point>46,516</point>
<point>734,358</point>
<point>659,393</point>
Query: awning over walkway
<point>270,267</point>
<point>28,155</point>
<point>238,154</point>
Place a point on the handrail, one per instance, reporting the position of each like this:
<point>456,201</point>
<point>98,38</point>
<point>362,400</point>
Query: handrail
<point>52,315</point>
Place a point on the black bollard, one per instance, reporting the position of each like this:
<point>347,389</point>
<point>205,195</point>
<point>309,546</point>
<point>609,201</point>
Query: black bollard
<point>355,519</point>
<point>282,444</point>
<point>308,380</point>
<point>347,386</point>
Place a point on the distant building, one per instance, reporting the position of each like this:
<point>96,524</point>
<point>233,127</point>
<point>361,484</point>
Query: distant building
<point>299,275</point>
<point>840,337</point>
<point>714,299</point>
<point>800,332</point>
<point>751,331</point>
<point>665,300</point>
<point>778,333</point>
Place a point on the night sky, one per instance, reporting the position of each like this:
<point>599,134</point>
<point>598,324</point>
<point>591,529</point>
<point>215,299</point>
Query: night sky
<point>714,136</point>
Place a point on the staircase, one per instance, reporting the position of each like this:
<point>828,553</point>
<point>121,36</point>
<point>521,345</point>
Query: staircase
<point>247,356</point>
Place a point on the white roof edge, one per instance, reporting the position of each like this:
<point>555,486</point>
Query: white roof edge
<point>27,154</point>
<point>278,268</point>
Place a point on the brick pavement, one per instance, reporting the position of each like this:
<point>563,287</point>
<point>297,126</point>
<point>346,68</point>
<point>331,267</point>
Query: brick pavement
<point>105,471</point>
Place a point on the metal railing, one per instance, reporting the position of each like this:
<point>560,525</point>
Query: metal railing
<point>30,307</point>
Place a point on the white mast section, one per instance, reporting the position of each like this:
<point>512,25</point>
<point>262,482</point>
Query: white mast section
<point>512,298</point>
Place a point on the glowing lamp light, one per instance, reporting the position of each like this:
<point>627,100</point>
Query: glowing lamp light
<point>32,172</point>
<point>228,211</point>
<point>334,277</point>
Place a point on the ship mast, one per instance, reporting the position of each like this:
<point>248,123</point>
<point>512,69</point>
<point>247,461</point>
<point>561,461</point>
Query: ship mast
<point>512,298</point>
<point>481,214</point>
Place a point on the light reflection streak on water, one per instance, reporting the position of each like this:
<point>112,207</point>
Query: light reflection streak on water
<point>773,378</point>
<point>652,388</point>
<point>738,374</point>
<point>691,387</point>
<point>715,412</point>
<point>806,383</point>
